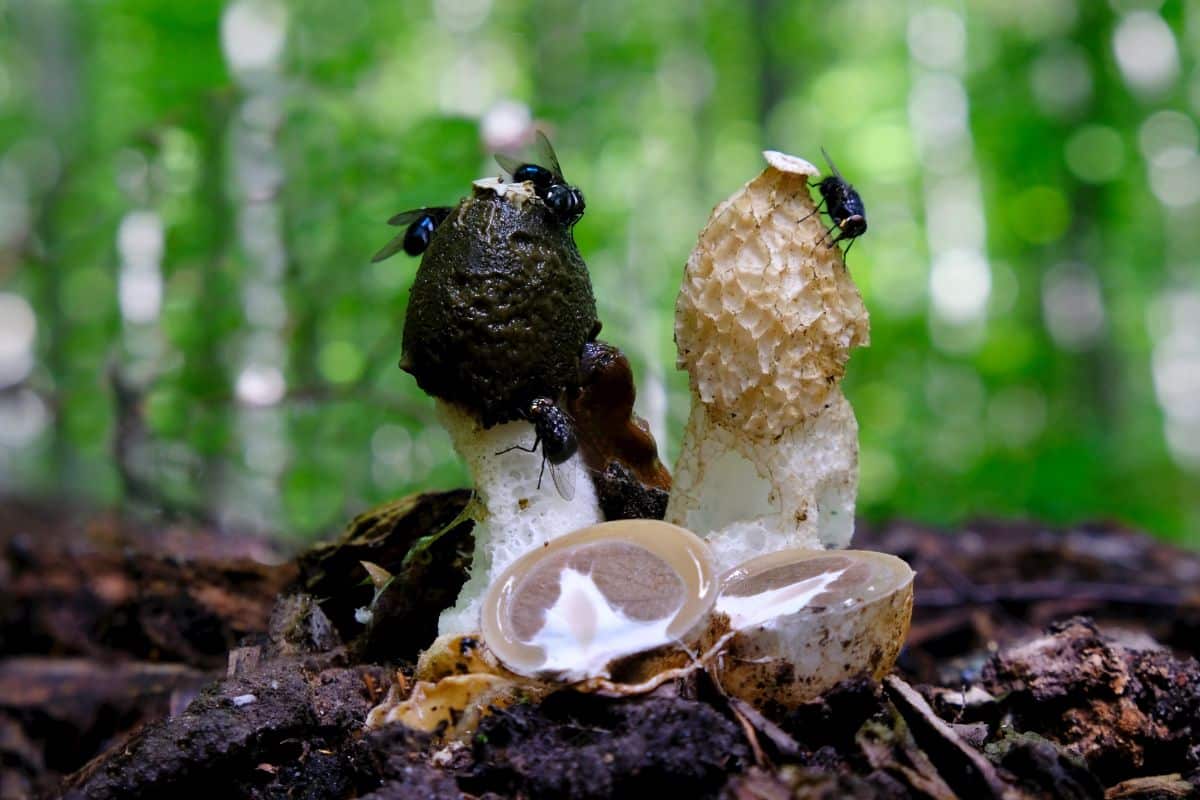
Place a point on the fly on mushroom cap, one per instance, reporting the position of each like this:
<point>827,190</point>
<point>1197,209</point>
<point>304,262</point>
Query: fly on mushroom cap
<point>571,610</point>
<point>803,620</point>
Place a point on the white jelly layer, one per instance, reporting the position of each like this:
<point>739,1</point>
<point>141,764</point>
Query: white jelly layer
<point>756,609</point>
<point>583,633</point>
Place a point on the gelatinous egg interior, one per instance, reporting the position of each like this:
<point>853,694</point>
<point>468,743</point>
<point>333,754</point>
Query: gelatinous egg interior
<point>570,609</point>
<point>782,584</point>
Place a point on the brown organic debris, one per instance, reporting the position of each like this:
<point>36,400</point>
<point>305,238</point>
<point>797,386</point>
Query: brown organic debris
<point>417,539</point>
<point>1155,787</point>
<point>1123,704</point>
<point>584,747</point>
<point>961,765</point>
<point>891,751</point>
<point>292,725</point>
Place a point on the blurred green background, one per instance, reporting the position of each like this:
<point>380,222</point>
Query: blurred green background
<point>190,193</point>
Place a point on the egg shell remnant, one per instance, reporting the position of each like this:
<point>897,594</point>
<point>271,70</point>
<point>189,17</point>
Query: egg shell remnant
<point>573,609</point>
<point>764,323</point>
<point>805,620</point>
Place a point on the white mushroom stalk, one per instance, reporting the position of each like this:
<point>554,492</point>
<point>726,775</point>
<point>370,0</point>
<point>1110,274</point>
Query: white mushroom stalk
<point>513,514</point>
<point>764,323</point>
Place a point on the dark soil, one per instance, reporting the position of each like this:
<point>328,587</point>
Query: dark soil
<point>1041,664</point>
<point>577,746</point>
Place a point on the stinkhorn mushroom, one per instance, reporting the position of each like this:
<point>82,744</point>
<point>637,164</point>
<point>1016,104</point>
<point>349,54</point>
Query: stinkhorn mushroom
<point>498,316</point>
<point>502,325</point>
<point>764,322</point>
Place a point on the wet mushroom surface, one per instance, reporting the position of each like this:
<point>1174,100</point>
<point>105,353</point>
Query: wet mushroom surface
<point>501,305</point>
<point>616,444</point>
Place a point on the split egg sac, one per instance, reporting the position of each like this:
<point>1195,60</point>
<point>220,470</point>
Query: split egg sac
<point>630,599</point>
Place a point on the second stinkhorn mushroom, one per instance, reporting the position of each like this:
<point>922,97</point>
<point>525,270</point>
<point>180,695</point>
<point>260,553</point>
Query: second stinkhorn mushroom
<point>765,321</point>
<point>498,317</point>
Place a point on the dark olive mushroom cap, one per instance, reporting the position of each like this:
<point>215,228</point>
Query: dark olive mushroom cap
<point>500,308</point>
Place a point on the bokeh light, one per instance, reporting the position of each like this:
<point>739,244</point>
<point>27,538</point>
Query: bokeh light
<point>18,328</point>
<point>1146,51</point>
<point>1095,153</point>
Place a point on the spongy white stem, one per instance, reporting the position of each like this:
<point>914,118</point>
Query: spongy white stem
<point>513,516</point>
<point>751,496</point>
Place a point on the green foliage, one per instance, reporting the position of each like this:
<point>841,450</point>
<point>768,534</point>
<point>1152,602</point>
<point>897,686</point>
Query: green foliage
<point>190,193</point>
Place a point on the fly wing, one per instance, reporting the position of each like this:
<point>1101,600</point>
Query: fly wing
<point>542,155</point>
<point>508,163</point>
<point>391,248</point>
<point>409,217</point>
<point>545,155</point>
<point>833,167</point>
<point>563,476</point>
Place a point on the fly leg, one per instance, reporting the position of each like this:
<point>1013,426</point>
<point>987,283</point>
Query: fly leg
<point>816,210</point>
<point>536,441</point>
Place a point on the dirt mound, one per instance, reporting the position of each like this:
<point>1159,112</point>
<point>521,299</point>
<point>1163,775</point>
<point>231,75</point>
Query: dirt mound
<point>992,697</point>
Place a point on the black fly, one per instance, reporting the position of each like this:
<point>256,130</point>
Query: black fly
<point>563,200</point>
<point>421,222</point>
<point>553,431</point>
<point>843,204</point>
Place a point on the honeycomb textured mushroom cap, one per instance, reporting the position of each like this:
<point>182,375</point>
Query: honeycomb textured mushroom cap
<point>767,314</point>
